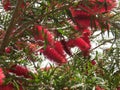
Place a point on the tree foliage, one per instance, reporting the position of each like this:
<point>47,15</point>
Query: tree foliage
<point>63,32</point>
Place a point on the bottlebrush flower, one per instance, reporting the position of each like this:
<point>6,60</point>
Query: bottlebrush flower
<point>52,54</point>
<point>43,34</point>
<point>6,5</point>
<point>79,42</point>
<point>2,76</point>
<point>82,13</point>
<point>59,48</point>
<point>20,71</point>
<point>81,18</point>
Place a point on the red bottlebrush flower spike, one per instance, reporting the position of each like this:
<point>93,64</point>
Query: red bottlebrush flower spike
<point>66,47</point>
<point>6,5</point>
<point>82,18</point>
<point>44,34</point>
<point>2,76</point>
<point>81,44</point>
<point>20,71</point>
<point>52,54</point>
<point>59,48</point>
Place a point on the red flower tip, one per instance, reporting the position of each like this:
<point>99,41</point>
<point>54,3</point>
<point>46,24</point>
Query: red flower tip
<point>52,54</point>
<point>43,34</point>
<point>8,50</point>
<point>93,62</point>
<point>6,5</point>
<point>2,76</point>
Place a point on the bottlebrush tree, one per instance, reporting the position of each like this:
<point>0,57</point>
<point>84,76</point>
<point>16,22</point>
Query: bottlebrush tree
<point>63,32</point>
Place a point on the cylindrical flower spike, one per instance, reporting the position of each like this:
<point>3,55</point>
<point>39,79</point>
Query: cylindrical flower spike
<point>20,71</point>
<point>44,35</point>
<point>81,44</point>
<point>52,54</point>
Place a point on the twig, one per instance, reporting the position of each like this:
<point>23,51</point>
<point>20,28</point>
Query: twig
<point>5,40</point>
<point>102,44</point>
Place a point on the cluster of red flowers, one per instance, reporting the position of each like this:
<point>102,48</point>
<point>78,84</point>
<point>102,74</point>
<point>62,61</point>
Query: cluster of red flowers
<point>17,70</point>
<point>82,14</point>
<point>54,49</point>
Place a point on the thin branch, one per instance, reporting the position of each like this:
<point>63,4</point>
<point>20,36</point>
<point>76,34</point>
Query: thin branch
<point>102,44</point>
<point>5,40</point>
